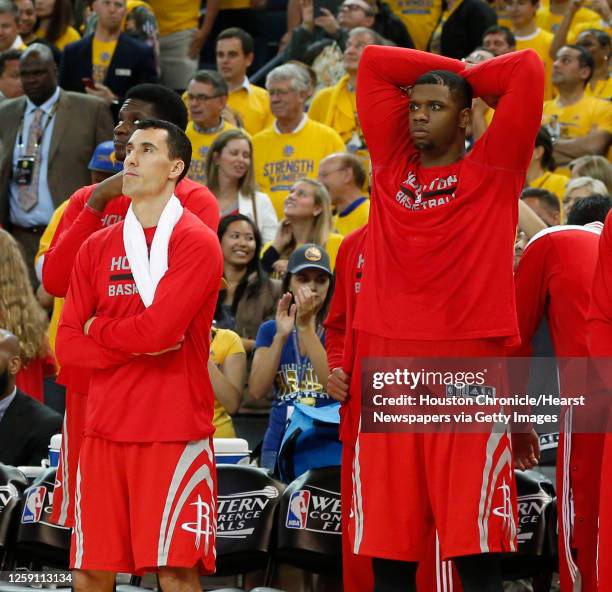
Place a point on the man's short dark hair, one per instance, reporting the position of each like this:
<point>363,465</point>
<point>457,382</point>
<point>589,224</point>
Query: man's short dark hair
<point>237,33</point>
<point>167,104</point>
<point>544,140</point>
<point>593,208</point>
<point>602,37</point>
<point>585,60</point>
<point>547,198</point>
<point>501,30</point>
<point>458,86</point>
<point>213,78</point>
<point>179,145</point>
<point>10,55</point>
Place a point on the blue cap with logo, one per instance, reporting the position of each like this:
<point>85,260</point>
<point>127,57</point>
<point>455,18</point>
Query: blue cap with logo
<point>309,256</point>
<point>103,159</point>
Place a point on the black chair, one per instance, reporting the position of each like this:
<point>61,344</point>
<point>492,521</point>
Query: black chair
<point>12,485</point>
<point>535,557</point>
<point>40,542</point>
<point>247,502</point>
<point>309,529</point>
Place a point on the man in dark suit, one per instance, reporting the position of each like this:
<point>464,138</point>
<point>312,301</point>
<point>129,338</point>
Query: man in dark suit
<point>26,426</point>
<point>48,137</point>
<point>108,62</point>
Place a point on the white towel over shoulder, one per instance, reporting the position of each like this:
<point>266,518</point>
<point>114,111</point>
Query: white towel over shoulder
<point>149,270</point>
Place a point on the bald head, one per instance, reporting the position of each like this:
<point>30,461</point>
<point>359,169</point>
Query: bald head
<point>10,362</point>
<point>38,73</point>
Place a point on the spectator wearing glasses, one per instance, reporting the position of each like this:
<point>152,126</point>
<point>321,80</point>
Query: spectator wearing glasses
<point>207,97</point>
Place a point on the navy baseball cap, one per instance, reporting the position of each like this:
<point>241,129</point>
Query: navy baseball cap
<point>103,159</point>
<point>309,256</point>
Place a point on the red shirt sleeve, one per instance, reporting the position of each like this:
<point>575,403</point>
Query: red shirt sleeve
<point>193,277</point>
<point>382,105</point>
<point>73,347</point>
<point>200,201</point>
<point>75,227</point>
<point>517,79</point>
<point>600,312</point>
<point>531,281</point>
<point>335,323</point>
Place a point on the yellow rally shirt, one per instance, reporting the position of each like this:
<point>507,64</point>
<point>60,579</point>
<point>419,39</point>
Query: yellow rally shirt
<point>602,90</point>
<point>200,143</point>
<point>420,18</point>
<point>282,159</point>
<point>353,217</point>
<point>253,106</point>
<point>540,42</point>
<point>224,344</point>
<point>101,56</point>
<point>70,36</point>
<point>547,20</point>
<point>175,16</point>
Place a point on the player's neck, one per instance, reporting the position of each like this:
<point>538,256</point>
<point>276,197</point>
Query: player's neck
<point>526,30</point>
<point>105,34</point>
<point>148,209</point>
<point>451,156</point>
<point>569,96</point>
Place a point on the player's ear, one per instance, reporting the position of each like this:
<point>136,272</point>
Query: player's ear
<point>465,117</point>
<point>178,167</point>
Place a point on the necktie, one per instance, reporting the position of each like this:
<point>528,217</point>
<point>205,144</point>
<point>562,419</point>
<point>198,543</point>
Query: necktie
<point>28,194</point>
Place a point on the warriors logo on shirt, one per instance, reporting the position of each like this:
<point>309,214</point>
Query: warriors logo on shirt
<point>288,150</point>
<point>416,196</point>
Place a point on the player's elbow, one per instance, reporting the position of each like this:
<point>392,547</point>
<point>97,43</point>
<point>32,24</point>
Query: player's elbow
<point>51,281</point>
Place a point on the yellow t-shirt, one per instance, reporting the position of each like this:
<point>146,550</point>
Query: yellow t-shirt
<point>577,120</point>
<point>552,182</point>
<point>602,90</point>
<point>353,217</point>
<point>578,28</point>
<point>547,20</point>
<point>501,10</point>
<point>224,344</point>
<point>540,42</point>
<point>234,4</point>
<point>334,240</point>
<point>101,56</point>
<point>43,247</point>
<point>282,159</point>
<point>420,17</point>
<point>176,15</point>
<point>253,106</point>
<point>200,143</point>
<point>70,36</point>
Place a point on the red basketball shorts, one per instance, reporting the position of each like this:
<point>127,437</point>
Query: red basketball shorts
<point>406,485</point>
<point>604,551</point>
<point>72,436</point>
<point>140,506</point>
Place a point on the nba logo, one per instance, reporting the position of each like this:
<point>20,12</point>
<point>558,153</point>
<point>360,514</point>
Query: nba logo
<point>297,513</point>
<point>33,506</point>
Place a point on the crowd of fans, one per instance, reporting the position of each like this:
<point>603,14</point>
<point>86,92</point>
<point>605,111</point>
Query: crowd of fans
<point>288,163</point>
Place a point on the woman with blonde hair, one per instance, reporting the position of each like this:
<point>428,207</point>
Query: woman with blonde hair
<point>579,188</point>
<point>596,167</point>
<point>21,314</point>
<point>229,174</point>
<point>308,219</point>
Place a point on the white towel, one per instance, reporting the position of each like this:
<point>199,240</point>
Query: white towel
<point>148,271</point>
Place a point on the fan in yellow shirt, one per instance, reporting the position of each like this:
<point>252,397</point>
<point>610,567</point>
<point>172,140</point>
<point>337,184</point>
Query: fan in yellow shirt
<point>336,107</point>
<point>53,23</point>
<point>293,147</point>
<point>420,17</point>
<point>343,176</point>
<point>234,48</point>
<point>227,368</point>
<point>597,43</point>
<point>69,35</point>
<point>528,35</point>
<point>101,55</point>
<point>207,96</point>
<point>550,15</point>
<point>580,124</point>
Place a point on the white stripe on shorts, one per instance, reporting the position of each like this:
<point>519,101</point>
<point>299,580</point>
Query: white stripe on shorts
<point>357,499</point>
<point>78,525</point>
<point>65,484</point>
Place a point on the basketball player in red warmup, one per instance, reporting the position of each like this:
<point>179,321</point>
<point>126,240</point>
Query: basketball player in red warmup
<point>90,209</point>
<point>138,315</point>
<point>600,346</point>
<point>440,283</point>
